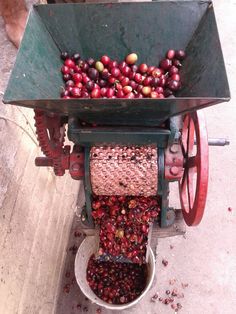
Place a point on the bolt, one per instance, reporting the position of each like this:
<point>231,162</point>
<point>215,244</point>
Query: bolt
<point>174,148</point>
<point>75,166</point>
<point>174,170</point>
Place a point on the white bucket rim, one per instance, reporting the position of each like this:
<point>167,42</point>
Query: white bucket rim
<point>88,242</point>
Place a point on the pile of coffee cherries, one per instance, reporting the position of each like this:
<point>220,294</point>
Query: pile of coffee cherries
<point>124,225</point>
<point>116,283</point>
<point>107,78</point>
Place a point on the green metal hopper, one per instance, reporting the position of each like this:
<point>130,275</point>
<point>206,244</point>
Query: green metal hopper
<point>149,28</point>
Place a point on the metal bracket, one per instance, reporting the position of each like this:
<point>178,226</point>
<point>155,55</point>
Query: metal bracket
<point>174,162</point>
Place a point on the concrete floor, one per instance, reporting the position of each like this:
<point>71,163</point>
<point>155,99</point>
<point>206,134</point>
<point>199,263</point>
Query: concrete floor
<point>37,217</point>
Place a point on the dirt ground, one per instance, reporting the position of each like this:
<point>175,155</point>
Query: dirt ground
<point>37,216</point>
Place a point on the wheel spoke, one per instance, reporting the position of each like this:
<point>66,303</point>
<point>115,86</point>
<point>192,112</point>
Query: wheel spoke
<point>185,135</point>
<point>192,162</point>
<point>191,194</point>
<point>184,189</point>
<point>190,143</point>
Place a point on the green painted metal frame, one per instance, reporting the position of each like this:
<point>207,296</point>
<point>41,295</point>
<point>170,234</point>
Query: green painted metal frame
<point>87,188</point>
<point>88,137</point>
<point>90,29</point>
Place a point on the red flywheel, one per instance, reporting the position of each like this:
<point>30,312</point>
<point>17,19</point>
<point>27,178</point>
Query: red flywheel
<point>194,183</point>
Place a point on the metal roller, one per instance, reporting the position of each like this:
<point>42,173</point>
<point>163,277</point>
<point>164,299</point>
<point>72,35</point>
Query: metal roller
<point>124,170</point>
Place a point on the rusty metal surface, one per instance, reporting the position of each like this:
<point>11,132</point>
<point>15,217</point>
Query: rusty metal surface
<point>124,170</point>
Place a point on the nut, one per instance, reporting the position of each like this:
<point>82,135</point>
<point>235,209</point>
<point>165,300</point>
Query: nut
<point>174,148</point>
<point>174,170</point>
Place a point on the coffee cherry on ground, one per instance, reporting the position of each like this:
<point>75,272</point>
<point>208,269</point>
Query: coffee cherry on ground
<point>179,306</point>
<point>165,262</point>
<point>66,289</point>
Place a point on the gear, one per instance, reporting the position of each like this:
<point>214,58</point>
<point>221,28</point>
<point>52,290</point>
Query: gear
<point>51,137</point>
<point>50,132</point>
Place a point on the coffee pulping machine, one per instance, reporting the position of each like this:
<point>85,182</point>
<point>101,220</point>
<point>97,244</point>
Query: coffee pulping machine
<point>172,129</point>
